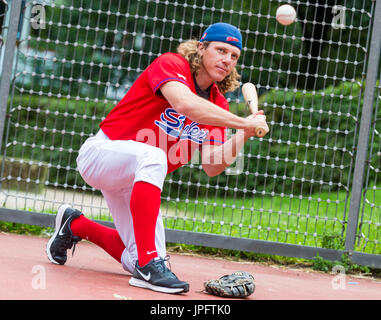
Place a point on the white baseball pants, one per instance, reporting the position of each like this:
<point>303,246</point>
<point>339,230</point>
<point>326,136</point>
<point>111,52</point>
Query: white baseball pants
<point>113,166</point>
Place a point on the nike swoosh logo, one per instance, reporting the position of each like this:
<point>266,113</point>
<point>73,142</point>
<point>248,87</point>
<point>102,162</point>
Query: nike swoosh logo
<point>150,252</point>
<point>146,277</point>
<point>60,233</point>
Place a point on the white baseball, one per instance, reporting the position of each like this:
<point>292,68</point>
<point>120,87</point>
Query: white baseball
<point>285,14</point>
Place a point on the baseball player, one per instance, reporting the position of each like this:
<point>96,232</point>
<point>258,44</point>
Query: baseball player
<point>175,107</point>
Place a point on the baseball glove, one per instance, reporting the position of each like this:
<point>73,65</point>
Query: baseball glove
<point>239,284</point>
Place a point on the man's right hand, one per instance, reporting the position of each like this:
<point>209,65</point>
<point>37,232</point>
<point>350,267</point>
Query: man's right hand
<point>253,122</point>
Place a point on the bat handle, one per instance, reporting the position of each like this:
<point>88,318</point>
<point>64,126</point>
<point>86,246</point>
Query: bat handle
<point>250,95</point>
<point>260,132</point>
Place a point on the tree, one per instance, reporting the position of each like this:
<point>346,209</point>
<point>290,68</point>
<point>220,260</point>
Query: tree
<point>101,47</point>
<point>331,51</point>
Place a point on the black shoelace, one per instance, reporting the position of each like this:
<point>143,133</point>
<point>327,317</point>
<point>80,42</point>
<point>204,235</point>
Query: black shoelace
<point>68,242</point>
<point>160,264</point>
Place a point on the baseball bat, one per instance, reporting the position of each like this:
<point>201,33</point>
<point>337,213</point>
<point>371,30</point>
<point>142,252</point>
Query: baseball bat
<point>251,98</point>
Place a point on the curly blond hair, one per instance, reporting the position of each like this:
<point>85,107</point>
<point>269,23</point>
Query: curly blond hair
<point>188,49</point>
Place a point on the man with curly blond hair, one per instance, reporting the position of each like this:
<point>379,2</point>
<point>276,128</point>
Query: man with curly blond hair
<point>175,107</point>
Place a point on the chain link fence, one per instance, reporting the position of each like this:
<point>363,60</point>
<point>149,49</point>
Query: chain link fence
<point>300,191</point>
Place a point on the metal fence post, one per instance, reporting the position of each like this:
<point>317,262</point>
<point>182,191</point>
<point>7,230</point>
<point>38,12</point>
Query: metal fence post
<point>365,124</point>
<point>9,53</point>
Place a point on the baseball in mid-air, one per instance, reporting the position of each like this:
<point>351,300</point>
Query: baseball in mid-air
<point>285,14</point>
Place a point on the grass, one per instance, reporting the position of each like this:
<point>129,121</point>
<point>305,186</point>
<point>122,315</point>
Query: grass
<point>317,220</point>
<point>25,229</point>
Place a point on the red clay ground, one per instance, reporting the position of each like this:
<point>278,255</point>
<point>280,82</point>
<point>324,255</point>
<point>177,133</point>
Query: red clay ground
<point>26,274</point>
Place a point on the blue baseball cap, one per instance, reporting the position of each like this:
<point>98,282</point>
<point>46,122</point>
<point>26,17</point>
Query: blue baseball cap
<point>223,32</point>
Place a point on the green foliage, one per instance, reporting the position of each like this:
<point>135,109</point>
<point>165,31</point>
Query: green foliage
<point>332,240</point>
<point>52,130</point>
<point>105,49</point>
<point>233,254</point>
<point>309,147</point>
<point>31,175</point>
<point>25,229</point>
<point>321,264</point>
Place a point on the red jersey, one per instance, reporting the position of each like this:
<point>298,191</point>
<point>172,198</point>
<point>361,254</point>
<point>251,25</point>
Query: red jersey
<point>144,115</point>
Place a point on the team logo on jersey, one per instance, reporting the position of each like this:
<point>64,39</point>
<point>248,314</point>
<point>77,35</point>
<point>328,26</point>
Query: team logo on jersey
<point>172,123</point>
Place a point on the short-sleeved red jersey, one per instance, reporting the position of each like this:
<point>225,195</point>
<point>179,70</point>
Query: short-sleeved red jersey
<point>145,116</point>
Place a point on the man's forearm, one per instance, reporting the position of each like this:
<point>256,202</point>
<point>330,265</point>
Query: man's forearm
<point>200,110</point>
<point>221,157</point>
<point>205,112</point>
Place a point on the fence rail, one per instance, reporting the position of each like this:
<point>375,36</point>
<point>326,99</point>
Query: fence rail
<point>311,186</point>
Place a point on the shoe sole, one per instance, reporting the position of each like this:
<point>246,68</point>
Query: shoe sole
<point>144,284</point>
<point>60,213</point>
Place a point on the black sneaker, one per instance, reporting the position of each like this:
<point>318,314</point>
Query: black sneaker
<point>156,276</point>
<point>62,239</point>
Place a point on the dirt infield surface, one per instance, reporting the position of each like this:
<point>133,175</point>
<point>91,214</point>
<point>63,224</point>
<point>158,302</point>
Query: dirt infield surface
<point>27,274</point>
